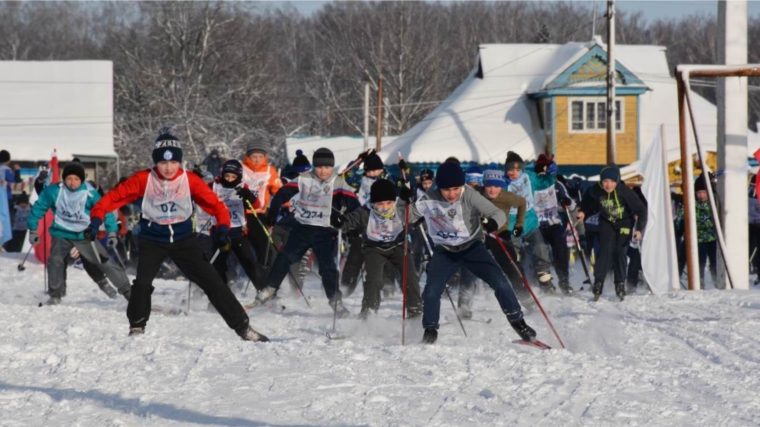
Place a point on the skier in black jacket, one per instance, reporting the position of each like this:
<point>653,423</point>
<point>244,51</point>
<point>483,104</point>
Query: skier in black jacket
<point>618,208</point>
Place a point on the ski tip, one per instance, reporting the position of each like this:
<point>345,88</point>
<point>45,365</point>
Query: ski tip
<point>536,344</point>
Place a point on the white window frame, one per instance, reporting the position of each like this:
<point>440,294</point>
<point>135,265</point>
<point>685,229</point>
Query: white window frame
<point>547,115</point>
<point>594,101</point>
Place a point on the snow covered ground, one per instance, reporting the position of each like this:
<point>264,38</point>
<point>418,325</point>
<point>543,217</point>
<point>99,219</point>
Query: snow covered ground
<point>690,359</point>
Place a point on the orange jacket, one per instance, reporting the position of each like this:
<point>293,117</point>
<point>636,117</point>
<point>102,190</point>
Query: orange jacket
<point>263,179</point>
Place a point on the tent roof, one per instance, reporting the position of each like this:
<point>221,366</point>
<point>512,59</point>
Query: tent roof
<point>484,118</point>
<point>345,148</point>
<point>62,105</point>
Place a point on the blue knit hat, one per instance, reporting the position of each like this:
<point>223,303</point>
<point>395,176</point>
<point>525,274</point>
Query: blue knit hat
<point>449,175</point>
<point>610,171</point>
<point>474,174</point>
<point>493,176</point>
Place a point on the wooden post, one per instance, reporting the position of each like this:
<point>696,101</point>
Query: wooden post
<point>611,148</point>
<point>379,143</point>
<point>366,116</point>
<point>687,187</point>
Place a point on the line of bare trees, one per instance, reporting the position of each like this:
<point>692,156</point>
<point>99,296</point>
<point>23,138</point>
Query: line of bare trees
<point>219,70</point>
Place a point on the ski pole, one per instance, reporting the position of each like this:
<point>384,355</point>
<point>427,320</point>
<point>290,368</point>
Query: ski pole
<point>337,265</point>
<point>21,266</point>
<point>578,247</point>
<point>527,286</point>
<point>456,312</point>
<point>405,274</point>
<point>271,242</point>
<point>213,258</point>
<point>44,249</point>
<point>118,258</point>
<point>95,249</point>
<point>189,288</point>
<point>354,164</point>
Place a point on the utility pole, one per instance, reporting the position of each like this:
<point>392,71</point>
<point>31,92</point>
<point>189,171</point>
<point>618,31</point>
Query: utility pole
<point>378,145</point>
<point>366,116</point>
<point>611,149</point>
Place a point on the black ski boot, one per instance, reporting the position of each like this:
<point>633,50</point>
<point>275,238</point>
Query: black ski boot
<point>564,285</point>
<point>597,290</point>
<point>620,290</point>
<point>53,301</point>
<point>430,336</point>
<point>364,314</point>
<point>525,332</point>
<point>107,289</point>
<point>248,334</point>
<point>545,283</point>
<point>136,330</point>
<point>342,311</point>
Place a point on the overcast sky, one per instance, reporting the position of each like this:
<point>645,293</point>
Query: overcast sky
<point>651,9</point>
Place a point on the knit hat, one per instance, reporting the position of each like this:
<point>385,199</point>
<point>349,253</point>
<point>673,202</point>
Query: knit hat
<point>214,152</point>
<point>167,147</point>
<point>610,171</point>
<point>493,176</point>
<point>700,184</point>
<point>373,163</point>
<point>22,198</point>
<point>514,161</point>
<point>427,175</point>
<point>474,174</point>
<point>233,166</point>
<point>542,163</point>
<point>323,157</point>
<point>5,156</point>
<point>301,162</point>
<point>449,175</point>
<point>256,147</point>
<point>74,168</point>
<point>453,160</point>
<point>207,176</point>
<point>382,190</point>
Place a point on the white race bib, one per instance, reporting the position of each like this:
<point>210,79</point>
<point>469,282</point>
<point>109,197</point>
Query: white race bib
<point>521,186</point>
<point>445,222</point>
<point>257,182</point>
<point>313,203</point>
<point>383,230</point>
<point>203,221</point>
<point>167,202</point>
<point>545,204</point>
<point>234,203</point>
<point>70,210</point>
<point>364,190</point>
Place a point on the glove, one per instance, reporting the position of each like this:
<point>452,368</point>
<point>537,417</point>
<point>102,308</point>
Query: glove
<point>405,194</point>
<point>91,232</point>
<point>490,225</point>
<point>198,171</point>
<point>402,165</point>
<point>518,231</point>
<point>565,201</point>
<point>222,236</point>
<point>42,176</point>
<point>112,240</point>
<point>364,154</point>
<point>245,193</point>
<point>337,220</point>
<point>271,218</point>
<point>34,238</point>
<point>552,168</point>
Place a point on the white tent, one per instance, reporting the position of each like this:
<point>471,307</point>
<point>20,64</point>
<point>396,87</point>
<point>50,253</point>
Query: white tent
<point>486,117</point>
<point>345,148</point>
<point>63,105</point>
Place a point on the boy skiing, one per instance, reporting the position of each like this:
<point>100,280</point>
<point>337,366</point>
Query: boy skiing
<point>382,223</point>
<point>20,219</point>
<point>237,197</point>
<point>453,214</point>
<point>166,231</point>
<point>314,197</point>
<point>72,201</point>
<point>616,205</point>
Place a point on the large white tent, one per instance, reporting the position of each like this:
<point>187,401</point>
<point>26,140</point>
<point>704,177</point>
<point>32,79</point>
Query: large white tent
<point>62,105</point>
<point>345,148</point>
<point>485,117</point>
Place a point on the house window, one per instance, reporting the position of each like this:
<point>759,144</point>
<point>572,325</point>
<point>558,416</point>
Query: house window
<point>548,116</point>
<point>590,115</point>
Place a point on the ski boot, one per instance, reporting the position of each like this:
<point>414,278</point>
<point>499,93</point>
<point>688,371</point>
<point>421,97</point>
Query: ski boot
<point>525,332</point>
<point>564,285</point>
<point>545,282</point>
<point>597,290</point>
<point>413,313</point>
<point>337,306</point>
<point>265,295</point>
<point>430,336</point>
<point>136,330</point>
<point>107,289</point>
<point>630,288</point>
<point>465,313</point>
<point>53,301</point>
<point>620,290</point>
<point>248,334</point>
<point>364,314</point>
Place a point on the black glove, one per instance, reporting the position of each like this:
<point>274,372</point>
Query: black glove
<point>518,231</point>
<point>271,218</point>
<point>42,175</point>
<point>402,165</point>
<point>337,220</point>
<point>364,154</point>
<point>222,236</point>
<point>112,240</point>
<point>91,232</point>
<point>490,225</point>
<point>565,201</point>
<point>405,194</point>
<point>245,193</point>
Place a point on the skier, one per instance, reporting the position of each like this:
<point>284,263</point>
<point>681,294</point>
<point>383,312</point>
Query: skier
<point>418,246</point>
<point>168,193</point>
<point>71,202</point>
<point>263,179</point>
<point>453,214</point>
<point>707,241</point>
<point>426,181</point>
<point>236,196</point>
<point>20,220</point>
<point>382,223</point>
<point>616,205</point>
<point>524,183</point>
<point>314,196</point>
<point>467,281</point>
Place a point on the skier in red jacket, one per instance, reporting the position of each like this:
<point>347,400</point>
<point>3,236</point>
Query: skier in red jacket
<point>168,192</point>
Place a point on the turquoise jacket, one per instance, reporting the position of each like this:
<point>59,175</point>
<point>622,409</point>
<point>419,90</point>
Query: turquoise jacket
<point>48,199</point>
<point>525,186</point>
